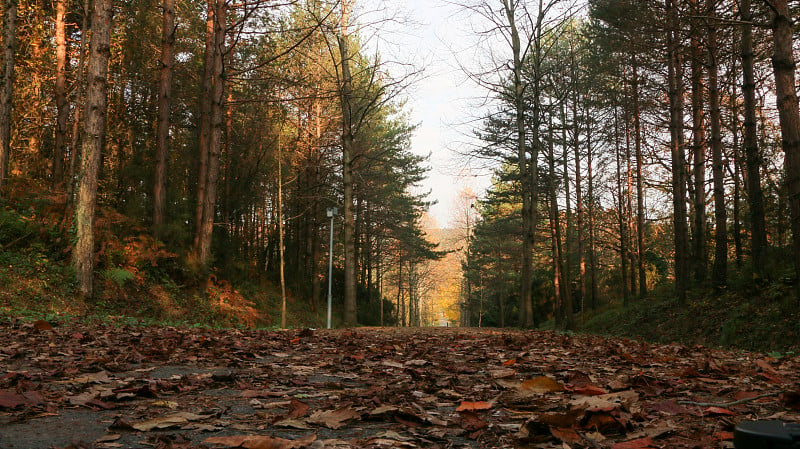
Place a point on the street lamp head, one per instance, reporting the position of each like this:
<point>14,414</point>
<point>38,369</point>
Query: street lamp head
<point>333,211</point>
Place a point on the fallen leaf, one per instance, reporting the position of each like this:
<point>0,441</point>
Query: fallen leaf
<point>261,442</point>
<point>641,443</point>
<point>42,325</point>
<point>502,373</point>
<point>542,384</point>
<point>566,435</point>
<point>467,406</point>
<point>590,390</point>
<point>293,424</point>
<point>334,419</point>
<point>10,399</point>
<point>471,421</point>
<point>165,422</point>
<point>719,411</point>
<point>298,409</point>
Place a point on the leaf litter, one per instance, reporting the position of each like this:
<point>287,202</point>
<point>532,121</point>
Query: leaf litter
<point>174,388</point>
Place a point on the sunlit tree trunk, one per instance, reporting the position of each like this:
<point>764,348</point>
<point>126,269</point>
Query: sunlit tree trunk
<point>94,135</point>
<point>62,105</point>
<point>7,88</point>
<point>164,106</point>
<point>206,228</point>
<point>783,64</point>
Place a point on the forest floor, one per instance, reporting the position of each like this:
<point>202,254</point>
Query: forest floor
<point>107,386</point>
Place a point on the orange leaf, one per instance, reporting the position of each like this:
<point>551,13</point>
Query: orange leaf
<point>542,384</point>
<point>566,435</point>
<point>719,411</point>
<point>467,406</point>
<point>590,390</point>
<point>641,443</point>
<point>510,362</point>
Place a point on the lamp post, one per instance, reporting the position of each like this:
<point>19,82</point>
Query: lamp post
<point>332,212</point>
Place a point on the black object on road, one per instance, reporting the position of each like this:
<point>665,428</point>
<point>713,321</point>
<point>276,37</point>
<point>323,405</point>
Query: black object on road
<point>766,435</point>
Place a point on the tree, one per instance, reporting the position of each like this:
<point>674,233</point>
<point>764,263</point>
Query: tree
<point>755,196</point>
<point>217,12</point>
<point>720,269</point>
<point>62,104</point>
<point>168,28</point>
<point>7,92</point>
<point>94,137</point>
<point>675,90</point>
<point>350,305</point>
<point>783,64</point>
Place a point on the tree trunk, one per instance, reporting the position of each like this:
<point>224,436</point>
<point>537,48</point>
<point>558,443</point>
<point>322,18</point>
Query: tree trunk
<point>350,300</point>
<point>675,84</point>
<point>206,228</point>
<point>640,212</point>
<point>623,235</point>
<point>755,196</point>
<point>590,209</point>
<point>699,247</point>
<point>783,64</point>
<point>94,135</point>
<point>561,288</point>
<point>719,276</point>
<point>62,105</point>
<point>737,164</point>
<point>205,126</point>
<point>7,92</point>
<point>576,144</point>
<point>164,106</point>
<point>75,146</point>
<point>526,318</point>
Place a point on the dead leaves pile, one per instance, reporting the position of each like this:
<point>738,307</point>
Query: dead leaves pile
<point>384,388</point>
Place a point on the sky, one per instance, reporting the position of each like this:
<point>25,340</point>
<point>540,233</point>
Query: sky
<point>440,101</point>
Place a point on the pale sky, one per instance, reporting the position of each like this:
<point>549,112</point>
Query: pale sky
<point>441,101</point>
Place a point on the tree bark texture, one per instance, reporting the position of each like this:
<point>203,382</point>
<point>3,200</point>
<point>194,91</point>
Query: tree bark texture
<point>719,275</point>
<point>755,195</point>
<point>94,136</point>
<point>699,246</point>
<point>350,300</point>
<point>164,107</point>
<point>640,212</point>
<point>205,124</point>
<point>7,88</point>
<point>217,117</point>
<point>62,105</point>
<point>526,310</point>
<point>675,86</point>
<point>783,64</point>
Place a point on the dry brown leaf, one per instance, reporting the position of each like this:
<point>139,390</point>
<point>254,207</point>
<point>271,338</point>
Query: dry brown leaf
<point>334,419</point>
<point>261,442</point>
<point>541,385</point>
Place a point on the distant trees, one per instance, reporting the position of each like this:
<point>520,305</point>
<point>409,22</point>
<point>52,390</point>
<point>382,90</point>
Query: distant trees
<point>204,102</point>
<point>649,112</point>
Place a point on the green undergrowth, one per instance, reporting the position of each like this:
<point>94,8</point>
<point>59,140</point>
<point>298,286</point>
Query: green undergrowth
<point>765,319</point>
<point>137,280</point>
